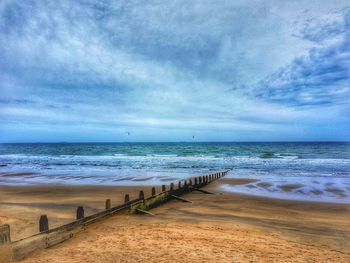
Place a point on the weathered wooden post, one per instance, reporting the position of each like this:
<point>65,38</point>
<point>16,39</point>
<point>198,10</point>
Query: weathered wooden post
<point>108,204</point>
<point>5,236</point>
<point>6,252</point>
<point>80,212</point>
<point>195,181</point>
<point>200,179</point>
<point>179,185</point>
<point>153,191</point>
<point>43,223</point>
<point>172,187</point>
<point>207,179</point>
<point>190,182</point>
<point>127,198</point>
<point>141,195</point>
<point>163,188</point>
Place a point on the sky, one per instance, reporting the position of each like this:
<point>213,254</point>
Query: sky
<point>114,71</point>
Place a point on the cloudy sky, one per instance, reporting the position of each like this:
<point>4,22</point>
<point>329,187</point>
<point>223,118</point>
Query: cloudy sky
<point>166,70</point>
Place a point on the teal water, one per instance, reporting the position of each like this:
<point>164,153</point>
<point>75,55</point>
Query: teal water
<point>327,164</point>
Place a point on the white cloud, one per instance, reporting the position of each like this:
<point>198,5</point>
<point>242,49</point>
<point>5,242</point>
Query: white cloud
<point>166,65</point>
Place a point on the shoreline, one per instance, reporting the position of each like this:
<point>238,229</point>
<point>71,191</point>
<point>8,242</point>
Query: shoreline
<point>318,230</point>
<point>226,186</point>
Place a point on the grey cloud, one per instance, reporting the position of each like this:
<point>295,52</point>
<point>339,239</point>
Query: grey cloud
<point>321,77</point>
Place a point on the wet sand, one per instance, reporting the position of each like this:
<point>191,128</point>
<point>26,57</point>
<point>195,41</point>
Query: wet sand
<point>224,227</point>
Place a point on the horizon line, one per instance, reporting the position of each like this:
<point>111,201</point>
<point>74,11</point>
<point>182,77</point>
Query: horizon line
<point>116,142</point>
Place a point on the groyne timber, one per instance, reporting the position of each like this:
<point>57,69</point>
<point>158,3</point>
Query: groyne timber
<point>46,237</point>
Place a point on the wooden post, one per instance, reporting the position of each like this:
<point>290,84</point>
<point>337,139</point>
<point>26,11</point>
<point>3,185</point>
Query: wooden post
<point>80,212</point>
<point>5,236</point>
<point>108,204</point>
<point>127,198</point>
<point>179,186</point>
<point>195,181</point>
<point>163,188</point>
<point>190,182</point>
<point>142,195</point>
<point>43,223</point>
<point>200,179</point>
<point>153,191</point>
<point>207,179</point>
<point>171,187</point>
<point>6,249</point>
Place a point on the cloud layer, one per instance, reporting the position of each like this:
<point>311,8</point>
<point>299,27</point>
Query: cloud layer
<point>242,70</point>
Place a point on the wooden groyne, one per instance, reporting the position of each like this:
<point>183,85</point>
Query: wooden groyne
<point>46,237</point>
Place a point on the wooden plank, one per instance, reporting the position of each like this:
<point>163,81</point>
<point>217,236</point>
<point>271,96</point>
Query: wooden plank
<point>27,246</point>
<point>180,199</point>
<point>145,212</point>
<point>201,190</point>
<point>58,237</point>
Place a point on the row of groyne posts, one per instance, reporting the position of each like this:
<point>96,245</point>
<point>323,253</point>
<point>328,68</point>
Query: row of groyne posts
<point>16,250</point>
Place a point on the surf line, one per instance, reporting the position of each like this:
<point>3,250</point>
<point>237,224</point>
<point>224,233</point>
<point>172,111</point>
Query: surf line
<point>17,250</point>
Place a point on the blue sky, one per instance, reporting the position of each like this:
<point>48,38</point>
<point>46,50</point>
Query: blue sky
<point>166,70</point>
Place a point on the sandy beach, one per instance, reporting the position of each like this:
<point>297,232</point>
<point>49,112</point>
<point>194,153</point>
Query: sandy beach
<point>224,227</point>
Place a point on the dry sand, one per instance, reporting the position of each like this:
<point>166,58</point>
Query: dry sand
<point>214,228</point>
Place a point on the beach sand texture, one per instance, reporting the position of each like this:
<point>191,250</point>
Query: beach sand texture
<point>214,228</point>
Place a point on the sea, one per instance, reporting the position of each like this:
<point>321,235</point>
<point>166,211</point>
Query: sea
<point>313,171</point>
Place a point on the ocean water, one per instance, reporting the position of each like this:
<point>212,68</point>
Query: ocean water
<point>311,171</point>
